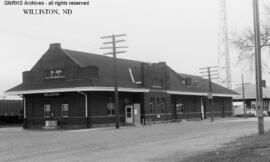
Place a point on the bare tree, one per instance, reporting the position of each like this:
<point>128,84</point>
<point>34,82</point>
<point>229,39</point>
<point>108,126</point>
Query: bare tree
<point>244,41</point>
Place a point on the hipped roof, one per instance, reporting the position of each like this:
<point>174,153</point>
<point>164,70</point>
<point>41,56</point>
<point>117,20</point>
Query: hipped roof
<point>250,91</point>
<point>105,66</point>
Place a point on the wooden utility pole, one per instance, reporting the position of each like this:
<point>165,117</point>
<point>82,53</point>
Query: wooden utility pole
<point>243,94</point>
<point>114,53</point>
<point>211,96</point>
<point>258,67</point>
<point>210,72</point>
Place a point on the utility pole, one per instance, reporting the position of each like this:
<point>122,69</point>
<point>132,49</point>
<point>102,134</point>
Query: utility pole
<point>243,94</point>
<point>114,53</point>
<point>258,67</point>
<point>210,72</point>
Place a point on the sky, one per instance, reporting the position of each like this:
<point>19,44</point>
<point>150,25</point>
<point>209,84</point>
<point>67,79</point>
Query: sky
<point>183,33</point>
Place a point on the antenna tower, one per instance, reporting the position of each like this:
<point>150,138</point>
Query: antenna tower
<point>223,48</point>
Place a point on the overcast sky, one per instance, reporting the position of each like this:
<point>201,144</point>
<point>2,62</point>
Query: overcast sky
<point>184,33</point>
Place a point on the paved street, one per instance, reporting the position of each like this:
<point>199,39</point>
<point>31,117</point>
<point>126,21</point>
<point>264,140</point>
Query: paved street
<point>161,142</point>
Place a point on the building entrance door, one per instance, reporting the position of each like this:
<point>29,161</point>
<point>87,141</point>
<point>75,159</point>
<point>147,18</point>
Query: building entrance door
<point>129,114</point>
<point>56,107</point>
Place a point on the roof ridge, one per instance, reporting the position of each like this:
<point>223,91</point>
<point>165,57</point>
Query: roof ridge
<point>72,58</point>
<point>82,52</point>
<point>192,75</point>
<point>99,55</point>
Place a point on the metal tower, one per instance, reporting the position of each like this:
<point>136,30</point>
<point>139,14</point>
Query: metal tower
<point>223,48</point>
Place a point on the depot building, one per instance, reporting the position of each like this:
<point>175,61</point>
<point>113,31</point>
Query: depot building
<point>75,89</point>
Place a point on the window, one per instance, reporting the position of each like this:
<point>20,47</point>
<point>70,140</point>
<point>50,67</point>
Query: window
<point>180,107</point>
<point>47,110</point>
<point>188,81</point>
<point>157,83</point>
<point>110,108</point>
<point>58,73</point>
<point>152,102</point>
<point>158,101</point>
<point>65,110</point>
<point>54,74</point>
<point>253,105</point>
<point>129,114</point>
<point>162,105</point>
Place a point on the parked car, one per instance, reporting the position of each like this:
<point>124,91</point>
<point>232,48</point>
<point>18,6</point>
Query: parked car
<point>251,112</point>
<point>265,113</point>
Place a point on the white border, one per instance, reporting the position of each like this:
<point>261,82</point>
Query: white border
<point>76,89</point>
<point>201,93</point>
<point>120,89</point>
<point>188,93</point>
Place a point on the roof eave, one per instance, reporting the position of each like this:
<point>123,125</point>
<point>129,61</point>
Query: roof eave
<point>201,93</point>
<point>75,89</point>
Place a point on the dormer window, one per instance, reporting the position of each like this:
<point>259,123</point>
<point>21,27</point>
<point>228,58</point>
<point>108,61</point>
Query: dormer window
<point>157,83</point>
<point>187,82</point>
<point>58,73</point>
<point>52,74</point>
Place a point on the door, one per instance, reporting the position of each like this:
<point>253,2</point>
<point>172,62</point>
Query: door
<point>174,109</point>
<point>54,103</point>
<point>129,114</point>
<point>137,113</point>
<point>56,107</point>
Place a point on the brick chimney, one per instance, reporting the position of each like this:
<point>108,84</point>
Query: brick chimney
<point>163,63</point>
<point>55,45</point>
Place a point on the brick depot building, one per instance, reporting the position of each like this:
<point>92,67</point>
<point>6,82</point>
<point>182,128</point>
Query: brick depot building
<point>76,90</point>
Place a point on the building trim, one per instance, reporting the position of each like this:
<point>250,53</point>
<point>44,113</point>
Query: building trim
<point>248,98</point>
<point>76,89</point>
<point>200,93</point>
<point>120,89</point>
<point>187,93</point>
<point>224,95</point>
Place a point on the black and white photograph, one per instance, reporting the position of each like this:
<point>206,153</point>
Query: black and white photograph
<point>135,81</point>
